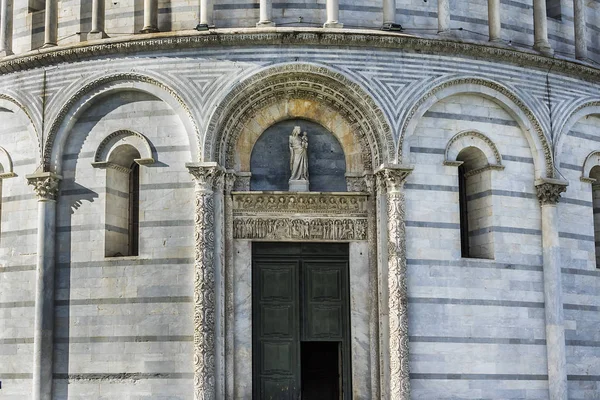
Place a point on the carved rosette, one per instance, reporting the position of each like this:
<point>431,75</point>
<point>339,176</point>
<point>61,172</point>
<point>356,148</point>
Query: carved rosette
<point>549,190</point>
<point>45,185</point>
<point>391,181</point>
<point>207,178</point>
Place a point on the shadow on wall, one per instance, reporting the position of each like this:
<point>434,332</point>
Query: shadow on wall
<point>270,159</point>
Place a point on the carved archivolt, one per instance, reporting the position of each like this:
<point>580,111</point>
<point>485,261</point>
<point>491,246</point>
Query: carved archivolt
<point>6,163</point>
<point>417,110</point>
<point>592,160</point>
<point>120,138</point>
<point>302,81</point>
<point>476,139</point>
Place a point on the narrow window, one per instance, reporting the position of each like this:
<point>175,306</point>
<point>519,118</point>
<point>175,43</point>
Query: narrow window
<point>595,174</point>
<point>553,9</point>
<point>134,208</point>
<point>475,205</point>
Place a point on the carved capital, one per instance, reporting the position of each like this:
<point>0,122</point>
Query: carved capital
<point>229,181</point>
<point>45,185</point>
<point>208,176</point>
<point>391,178</point>
<point>548,190</point>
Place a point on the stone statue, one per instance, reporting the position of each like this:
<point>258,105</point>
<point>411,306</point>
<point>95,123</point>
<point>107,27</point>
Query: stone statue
<point>298,143</point>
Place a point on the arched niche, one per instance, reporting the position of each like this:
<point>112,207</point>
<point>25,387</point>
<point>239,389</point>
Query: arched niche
<point>270,158</point>
<point>591,161</point>
<point>473,139</point>
<point>118,147</point>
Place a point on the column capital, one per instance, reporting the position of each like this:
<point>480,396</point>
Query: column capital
<point>207,175</point>
<point>229,180</point>
<point>391,177</point>
<point>549,190</point>
<point>45,185</point>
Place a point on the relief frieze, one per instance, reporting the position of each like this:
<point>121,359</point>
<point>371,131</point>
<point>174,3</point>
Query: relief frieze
<point>300,228</point>
<point>354,204</point>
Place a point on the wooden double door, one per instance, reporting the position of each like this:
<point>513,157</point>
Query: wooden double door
<point>300,320</point>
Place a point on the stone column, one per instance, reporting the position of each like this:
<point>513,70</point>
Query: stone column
<point>229,287</point>
<point>540,28</point>
<point>443,16</point>
<point>206,12</point>
<point>51,27</point>
<point>150,16</point>
<point>205,329</point>
<point>548,193</point>
<point>333,14</point>
<point>266,14</point>
<point>389,12</point>
<point>494,20</point>
<point>580,29</point>
<point>391,178</point>
<point>45,186</point>
<point>6,25</point>
<point>97,31</point>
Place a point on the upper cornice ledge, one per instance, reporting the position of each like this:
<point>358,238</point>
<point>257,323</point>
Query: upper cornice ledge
<point>191,39</point>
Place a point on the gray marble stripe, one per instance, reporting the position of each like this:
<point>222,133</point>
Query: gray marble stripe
<point>583,343</point>
<point>478,377</point>
<point>570,166</point>
<point>416,13</point>
<point>584,378</point>
<point>521,231</point>
<point>17,304</point>
<point>25,161</point>
<point>576,202</point>
<point>426,224</point>
<point>158,224</point>
<point>475,302</point>
<point>125,300</point>
<point>17,268</point>
<point>127,262</point>
<point>516,4</point>
<point>16,341</point>
<point>471,263</point>
<point>582,135</point>
<point>15,376</point>
<point>169,185</point>
<point>171,149</point>
<point>246,6</point>
<point>476,340</point>
<point>427,150</point>
<point>83,228</point>
<point>120,116</point>
<point>573,271</point>
<point>580,307</point>
<point>115,192</point>
<point>526,160</point>
<point>437,188</point>
<point>118,229</point>
<point>81,192</point>
<point>20,197</point>
<point>122,339</point>
<point>505,193</point>
<point>21,232</point>
<point>575,236</point>
<point>90,154</point>
<point>481,231</point>
<point>127,376</point>
<point>75,156</point>
<point>472,118</point>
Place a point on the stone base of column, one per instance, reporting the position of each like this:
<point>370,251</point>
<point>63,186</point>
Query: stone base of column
<point>265,24</point>
<point>333,24</point>
<point>6,53</point>
<point>544,48</point>
<point>446,33</point>
<point>96,35</point>
<point>149,29</point>
<point>495,40</point>
<point>46,45</point>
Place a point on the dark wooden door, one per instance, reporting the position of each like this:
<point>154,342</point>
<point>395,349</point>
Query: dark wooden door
<point>300,298</point>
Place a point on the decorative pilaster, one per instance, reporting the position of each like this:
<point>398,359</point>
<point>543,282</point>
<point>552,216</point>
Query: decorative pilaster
<point>45,186</point>
<point>150,16</point>
<point>266,14</point>
<point>6,25</point>
<point>580,29</point>
<point>98,15</point>
<point>548,193</point>
<point>443,16</point>
<point>51,23</point>
<point>391,180</point>
<point>540,28</point>
<point>205,176</point>
<point>333,14</point>
<point>494,20</point>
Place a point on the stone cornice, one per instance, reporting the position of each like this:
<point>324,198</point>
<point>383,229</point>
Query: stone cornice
<point>166,41</point>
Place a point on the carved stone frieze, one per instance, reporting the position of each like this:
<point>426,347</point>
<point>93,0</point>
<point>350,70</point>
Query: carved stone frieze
<point>45,185</point>
<point>549,190</point>
<point>300,228</point>
<point>305,203</point>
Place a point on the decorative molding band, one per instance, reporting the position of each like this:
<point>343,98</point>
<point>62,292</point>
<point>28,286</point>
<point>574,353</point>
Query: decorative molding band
<point>283,228</point>
<point>311,203</point>
<point>591,161</point>
<point>45,185</point>
<point>484,169</point>
<point>474,136</point>
<point>549,190</point>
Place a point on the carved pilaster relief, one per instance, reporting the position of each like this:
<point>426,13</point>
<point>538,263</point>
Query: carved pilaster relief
<point>391,181</point>
<point>206,178</point>
<point>549,190</point>
<point>45,185</point>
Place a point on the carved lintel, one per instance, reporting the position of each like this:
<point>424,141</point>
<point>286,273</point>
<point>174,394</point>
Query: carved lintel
<point>206,175</point>
<point>314,203</point>
<point>391,177</point>
<point>45,185</point>
<point>549,190</point>
<point>281,229</point>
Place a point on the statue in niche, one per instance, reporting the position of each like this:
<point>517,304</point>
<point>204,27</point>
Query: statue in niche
<point>298,143</point>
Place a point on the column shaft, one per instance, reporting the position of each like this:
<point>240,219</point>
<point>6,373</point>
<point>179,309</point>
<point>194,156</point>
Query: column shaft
<point>46,188</point>
<point>229,289</point>
<point>443,16</point>
<point>6,23</point>
<point>494,20</point>
<point>98,15</point>
<point>540,28</point>
<point>150,16</point>
<point>333,14</point>
<point>51,23</point>
<point>266,13</point>
<point>389,11</point>
<point>549,194</point>
<point>580,29</point>
<point>206,12</point>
